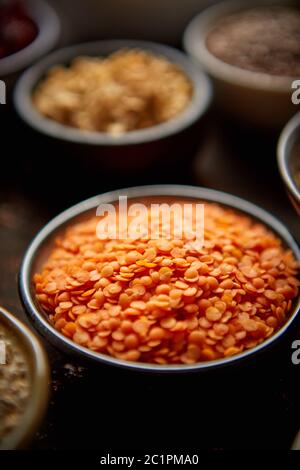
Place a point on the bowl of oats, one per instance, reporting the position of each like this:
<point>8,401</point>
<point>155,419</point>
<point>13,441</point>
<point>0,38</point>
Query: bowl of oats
<point>288,156</point>
<point>165,304</point>
<point>125,102</point>
<point>24,378</point>
<point>251,52</point>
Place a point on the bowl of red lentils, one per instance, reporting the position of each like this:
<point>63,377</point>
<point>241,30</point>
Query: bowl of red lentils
<point>163,304</point>
<point>118,103</point>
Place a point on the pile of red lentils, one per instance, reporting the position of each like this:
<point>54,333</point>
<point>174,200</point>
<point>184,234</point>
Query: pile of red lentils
<point>165,302</point>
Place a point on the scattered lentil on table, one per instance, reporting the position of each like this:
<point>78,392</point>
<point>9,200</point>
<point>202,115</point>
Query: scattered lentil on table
<point>163,302</point>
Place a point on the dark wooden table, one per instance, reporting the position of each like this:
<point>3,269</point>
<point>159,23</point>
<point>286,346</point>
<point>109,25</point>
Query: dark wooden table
<point>254,406</point>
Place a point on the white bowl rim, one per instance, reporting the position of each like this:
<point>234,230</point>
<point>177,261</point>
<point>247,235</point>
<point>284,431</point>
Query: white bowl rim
<point>48,25</point>
<point>43,325</point>
<point>38,400</point>
<point>194,44</point>
<point>196,108</point>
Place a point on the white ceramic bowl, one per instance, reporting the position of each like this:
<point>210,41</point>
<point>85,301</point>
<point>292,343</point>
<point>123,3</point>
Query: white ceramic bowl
<point>48,25</point>
<point>133,150</point>
<point>39,376</point>
<point>261,99</point>
<point>288,157</point>
<point>151,20</point>
<point>41,246</point>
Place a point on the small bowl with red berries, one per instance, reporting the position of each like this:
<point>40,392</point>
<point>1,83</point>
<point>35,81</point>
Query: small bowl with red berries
<point>29,29</point>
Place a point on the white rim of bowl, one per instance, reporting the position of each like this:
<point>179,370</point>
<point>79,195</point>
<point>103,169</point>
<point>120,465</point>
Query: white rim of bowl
<point>37,403</point>
<point>195,109</point>
<point>41,322</point>
<point>194,41</point>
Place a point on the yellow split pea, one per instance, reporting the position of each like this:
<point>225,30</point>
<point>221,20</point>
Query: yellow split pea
<point>163,301</point>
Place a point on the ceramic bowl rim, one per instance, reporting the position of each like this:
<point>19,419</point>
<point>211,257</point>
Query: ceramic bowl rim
<point>40,377</point>
<point>49,30</point>
<point>204,194</point>
<point>194,44</point>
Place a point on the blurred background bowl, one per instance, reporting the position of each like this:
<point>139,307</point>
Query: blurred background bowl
<point>170,141</point>
<point>37,402</point>
<point>152,20</point>
<point>43,243</point>
<point>288,155</point>
<point>259,99</point>
<point>48,25</point>
<point>296,442</point>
